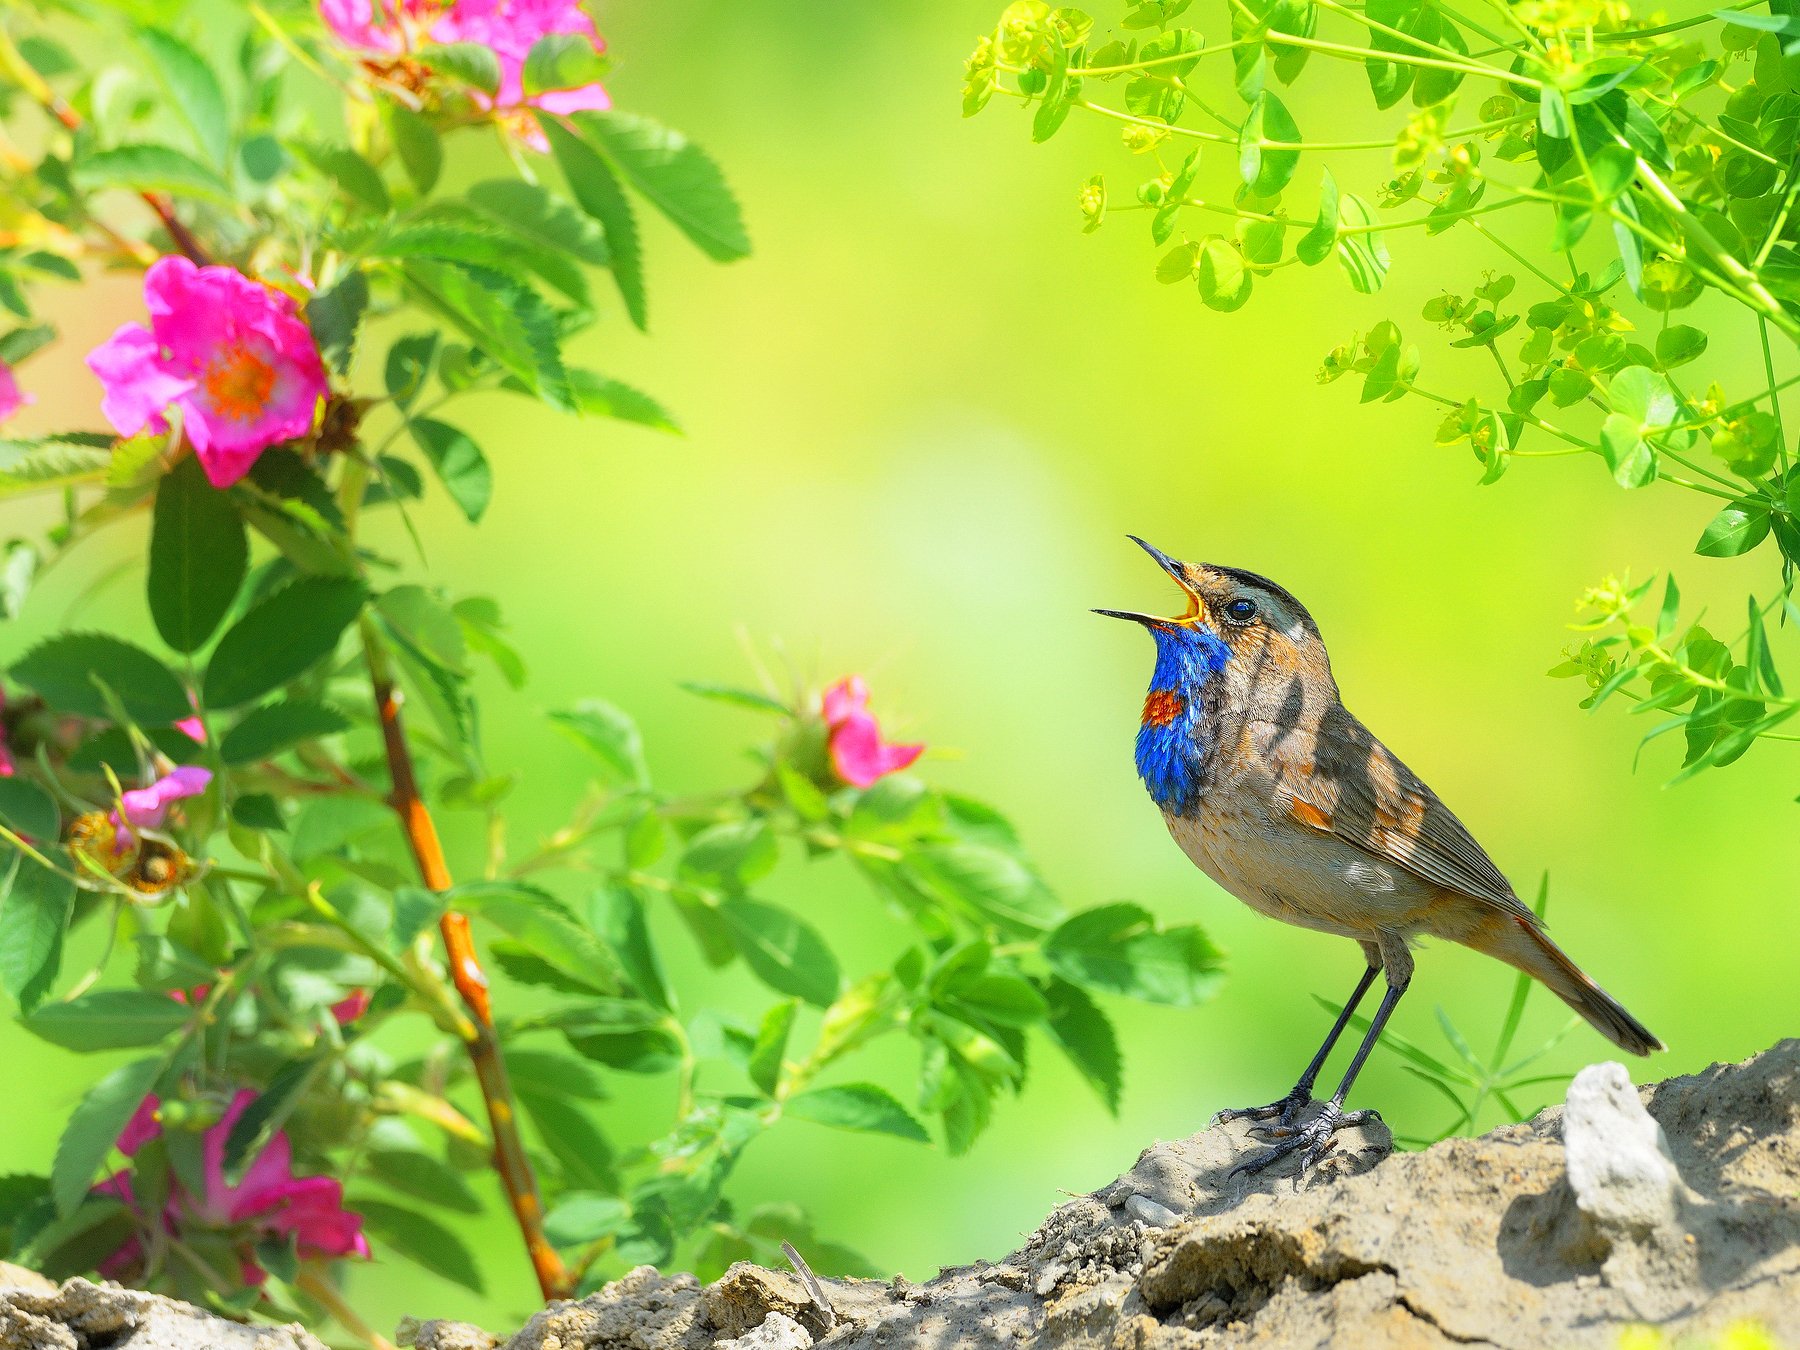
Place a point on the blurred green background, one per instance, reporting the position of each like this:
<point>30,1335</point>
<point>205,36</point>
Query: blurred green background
<point>920,421</point>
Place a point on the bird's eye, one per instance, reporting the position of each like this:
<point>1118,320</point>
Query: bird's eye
<point>1241,610</point>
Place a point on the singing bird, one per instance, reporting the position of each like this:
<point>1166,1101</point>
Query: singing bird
<point>1282,797</point>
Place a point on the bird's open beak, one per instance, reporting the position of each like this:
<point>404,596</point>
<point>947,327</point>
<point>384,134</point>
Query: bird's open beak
<point>1196,608</point>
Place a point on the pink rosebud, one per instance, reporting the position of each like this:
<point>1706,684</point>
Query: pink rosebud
<point>858,753</point>
<point>193,728</point>
<point>11,399</point>
<point>346,1010</point>
<point>232,355</point>
<point>147,808</point>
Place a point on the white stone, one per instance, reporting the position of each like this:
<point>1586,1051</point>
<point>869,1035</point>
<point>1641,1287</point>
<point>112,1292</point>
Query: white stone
<point>777,1332</point>
<point>1618,1159</point>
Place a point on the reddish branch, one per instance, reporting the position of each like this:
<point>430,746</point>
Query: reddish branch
<point>483,1048</point>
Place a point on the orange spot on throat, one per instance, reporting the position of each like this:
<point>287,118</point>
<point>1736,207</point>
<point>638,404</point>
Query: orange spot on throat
<point>1163,706</point>
<point>238,383</point>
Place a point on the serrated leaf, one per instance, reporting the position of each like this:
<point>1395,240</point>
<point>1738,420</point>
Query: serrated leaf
<point>109,1019</point>
<point>334,316</point>
<point>617,914</point>
<point>193,88</point>
<point>280,638</point>
<point>65,669</point>
<point>423,1177</point>
<point>198,557</point>
<point>786,953</point>
<point>545,927</point>
<point>610,735</point>
<point>1118,948</point>
<point>771,1045</point>
<point>674,174</point>
<point>28,810</point>
<point>93,1127</point>
<point>54,461</point>
<point>561,61</point>
<point>419,1239</point>
<point>597,191</point>
<point>268,730</point>
<point>507,321</point>
<point>153,168</point>
<point>469,63</point>
<point>857,1106</point>
<point>986,884</point>
<point>1085,1034</point>
<point>416,141</point>
<point>34,916</point>
<point>598,396</point>
<point>349,172</point>
<point>575,1141</point>
<point>251,1132</point>
<point>583,1217</point>
<point>459,463</point>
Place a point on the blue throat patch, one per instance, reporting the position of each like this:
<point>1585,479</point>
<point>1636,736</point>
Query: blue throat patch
<point>1171,744</point>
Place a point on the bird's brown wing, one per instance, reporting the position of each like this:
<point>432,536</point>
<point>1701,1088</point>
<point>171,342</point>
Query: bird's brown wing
<point>1356,789</point>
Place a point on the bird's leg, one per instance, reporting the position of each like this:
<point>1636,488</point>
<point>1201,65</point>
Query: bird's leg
<point>1289,1106</point>
<point>1314,1139</point>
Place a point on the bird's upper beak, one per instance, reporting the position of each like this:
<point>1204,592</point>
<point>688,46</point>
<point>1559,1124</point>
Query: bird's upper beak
<point>1196,608</point>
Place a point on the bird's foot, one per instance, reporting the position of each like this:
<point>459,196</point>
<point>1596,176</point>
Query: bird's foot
<point>1282,1111</point>
<point>1312,1140</point>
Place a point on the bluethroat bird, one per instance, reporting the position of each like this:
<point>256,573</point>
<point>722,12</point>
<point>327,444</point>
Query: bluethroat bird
<point>1283,798</point>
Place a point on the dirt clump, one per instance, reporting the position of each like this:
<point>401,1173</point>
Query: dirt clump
<point>1676,1204</point>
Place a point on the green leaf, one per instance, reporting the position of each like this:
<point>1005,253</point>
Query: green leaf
<point>268,730</point>
<point>582,1217</point>
<point>194,89</point>
<point>55,461</point>
<point>1631,458</point>
<point>509,322</point>
<point>617,914</point>
<point>597,396</point>
<point>26,809</point>
<point>1086,1036</point>
<point>737,698</point>
<point>23,342</point>
<point>1316,245</point>
<point>34,915</point>
<point>423,1177</point>
<point>416,142</point>
<point>1265,169</point>
<point>460,465</point>
<point>562,61</point>
<point>1644,396</point>
<point>198,557</point>
<point>148,168</point>
<point>674,174</point>
<point>251,1132</point>
<point>349,172</point>
<point>786,953</point>
<point>732,853</point>
<point>334,315</point>
<point>771,1046</point>
<point>574,1139</point>
<point>857,1106</point>
<point>597,192</point>
<point>986,884</point>
<point>1119,949</point>
<point>1737,529</point>
<point>93,1127</point>
<point>69,669</point>
<point>419,1239</point>
<point>609,734</point>
<point>109,1019</point>
<point>408,366</point>
<point>280,638</point>
<point>545,927</point>
<point>1224,281</point>
<point>468,63</point>
<point>1363,255</point>
<point>1678,344</point>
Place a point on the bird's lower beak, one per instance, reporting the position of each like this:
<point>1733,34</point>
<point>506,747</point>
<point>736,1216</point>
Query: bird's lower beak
<point>1196,610</point>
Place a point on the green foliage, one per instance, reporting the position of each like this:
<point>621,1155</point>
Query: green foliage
<point>1647,173</point>
<point>234,809</point>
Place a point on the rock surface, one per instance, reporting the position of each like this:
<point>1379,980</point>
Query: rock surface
<point>1677,1204</point>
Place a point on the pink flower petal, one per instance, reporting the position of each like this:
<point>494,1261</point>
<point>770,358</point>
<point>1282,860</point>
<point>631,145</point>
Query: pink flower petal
<point>11,399</point>
<point>844,700</point>
<point>137,387</point>
<point>193,728</point>
<point>346,1010</point>
<point>148,807</point>
<point>140,1129</point>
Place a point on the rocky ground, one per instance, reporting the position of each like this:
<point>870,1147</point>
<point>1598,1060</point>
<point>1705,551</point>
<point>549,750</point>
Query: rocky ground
<point>1676,1205</point>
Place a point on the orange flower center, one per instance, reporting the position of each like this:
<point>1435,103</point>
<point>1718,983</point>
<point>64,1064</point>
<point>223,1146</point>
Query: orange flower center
<point>238,383</point>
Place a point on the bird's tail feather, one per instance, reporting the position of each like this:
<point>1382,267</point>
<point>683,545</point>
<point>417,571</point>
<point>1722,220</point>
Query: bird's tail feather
<point>1526,946</point>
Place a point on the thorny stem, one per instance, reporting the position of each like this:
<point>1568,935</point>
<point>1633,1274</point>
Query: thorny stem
<point>480,1042</point>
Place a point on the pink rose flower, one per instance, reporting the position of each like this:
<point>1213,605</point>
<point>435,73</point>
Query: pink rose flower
<point>508,28</point>
<point>234,356</point>
<point>11,399</point>
<point>858,753</point>
<point>147,808</point>
<point>268,1201</point>
<point>352,1006</point>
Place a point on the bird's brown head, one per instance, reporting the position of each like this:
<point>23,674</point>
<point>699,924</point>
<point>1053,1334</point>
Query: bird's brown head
<point>1266,632</point>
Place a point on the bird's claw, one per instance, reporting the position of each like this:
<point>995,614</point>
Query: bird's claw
<point>1311,1140</point>
<point>1282,1111</point>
